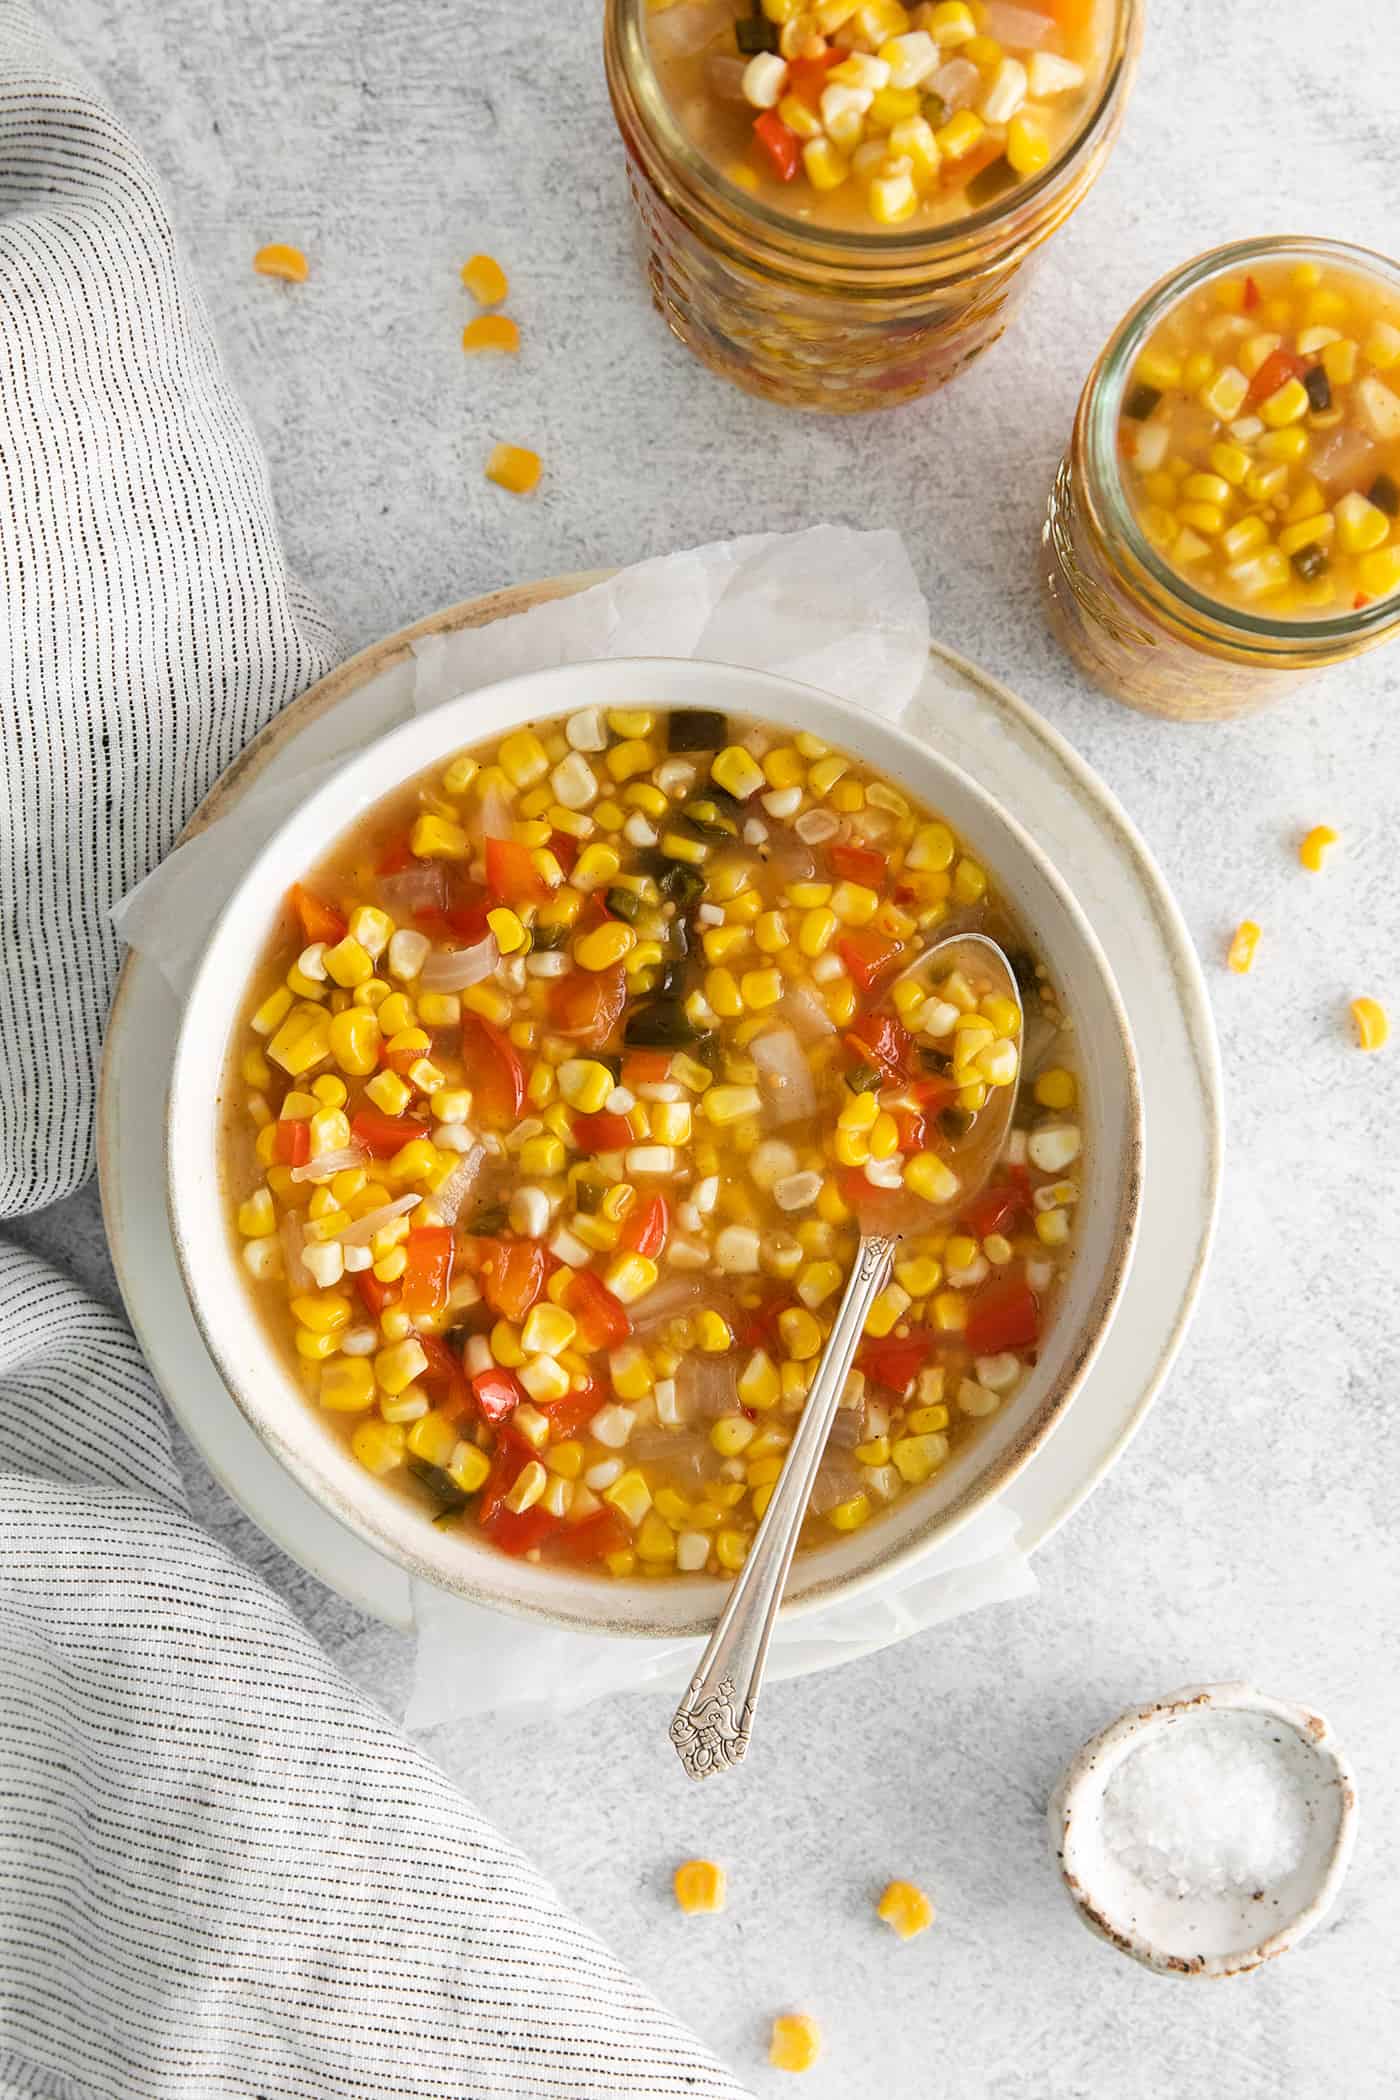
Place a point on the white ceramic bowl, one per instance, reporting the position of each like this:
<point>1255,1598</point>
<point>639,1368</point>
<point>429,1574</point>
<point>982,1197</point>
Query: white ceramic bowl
<point>1207,1933</point>
<point>250,1362</point>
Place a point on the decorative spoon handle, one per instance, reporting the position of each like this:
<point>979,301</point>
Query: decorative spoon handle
<point>713,1722</point>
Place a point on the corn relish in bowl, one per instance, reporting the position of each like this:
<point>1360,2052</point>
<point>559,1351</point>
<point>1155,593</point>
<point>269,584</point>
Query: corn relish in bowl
<point>550,1107</point>
<point>869,113</point>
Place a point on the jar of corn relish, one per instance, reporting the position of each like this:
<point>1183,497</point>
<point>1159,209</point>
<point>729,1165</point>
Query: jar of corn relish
<point>1227,518</point>
<point>836,198</point>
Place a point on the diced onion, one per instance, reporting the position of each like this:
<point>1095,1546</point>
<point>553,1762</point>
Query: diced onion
<point>676,1296</point>
<point>328,1163</point>
<point>708,1386</point>
<point>496,819</point>
<point>1343,459</point>
<point>785,1073</point>
<point>807,1013</point>
<point>299,1277</point>
<point>454,969</point>
<point>454,1192</point>
<point>363,1230</point>
<point>846,1430</point>
<point>837,1480</point>
<point>681,31</point>
<point>957,84</point>
<point>724,76</point>
<point>422,888</point>
<point>1021,26</point>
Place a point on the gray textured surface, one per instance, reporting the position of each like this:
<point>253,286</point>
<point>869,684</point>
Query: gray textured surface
<point>1250,1529</point>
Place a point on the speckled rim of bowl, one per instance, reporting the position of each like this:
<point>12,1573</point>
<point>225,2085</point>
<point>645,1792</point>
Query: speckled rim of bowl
<point>1076,1801</point>
<point>586,1603</point>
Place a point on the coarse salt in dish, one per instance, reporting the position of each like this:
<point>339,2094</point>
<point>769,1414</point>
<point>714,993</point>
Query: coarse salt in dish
<point>1207,1833</point>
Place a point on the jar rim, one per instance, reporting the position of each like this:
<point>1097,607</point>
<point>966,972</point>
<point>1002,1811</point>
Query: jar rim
<point>852,246</point>
<point>1113,514</point>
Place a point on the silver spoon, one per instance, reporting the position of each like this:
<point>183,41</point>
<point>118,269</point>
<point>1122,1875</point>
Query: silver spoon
<point>713,1723</point>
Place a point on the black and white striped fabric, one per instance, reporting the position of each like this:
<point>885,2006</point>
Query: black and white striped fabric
<point>221,1873</point>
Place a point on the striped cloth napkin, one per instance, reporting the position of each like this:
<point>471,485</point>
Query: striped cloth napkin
<point>221,1872</point>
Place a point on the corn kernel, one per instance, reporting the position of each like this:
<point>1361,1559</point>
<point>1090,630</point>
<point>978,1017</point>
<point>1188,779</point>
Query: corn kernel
<point>1372,1024</point>
<point>347,1386</point>
<point>700,1886</point>
<point>396,1367</point>
<point>1241,952</point>
<point>514,467</point>
<point>629,1496</point>
<point>379,1446</point>
<point>906,1908</point>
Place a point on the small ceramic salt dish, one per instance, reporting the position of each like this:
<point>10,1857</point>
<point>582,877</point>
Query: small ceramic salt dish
<point>1206,1834</point>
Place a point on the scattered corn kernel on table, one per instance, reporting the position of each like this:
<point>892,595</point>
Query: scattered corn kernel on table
<point>1246,1533</point>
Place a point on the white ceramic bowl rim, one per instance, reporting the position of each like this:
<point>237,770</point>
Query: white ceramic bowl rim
<point>252,1368</point>
<point>1077,1802</point>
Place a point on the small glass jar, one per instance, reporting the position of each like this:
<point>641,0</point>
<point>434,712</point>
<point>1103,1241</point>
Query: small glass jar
<point>1131,622</point>
<point>835,319</point>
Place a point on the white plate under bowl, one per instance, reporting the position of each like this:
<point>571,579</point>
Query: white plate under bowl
<point>1023,763</point>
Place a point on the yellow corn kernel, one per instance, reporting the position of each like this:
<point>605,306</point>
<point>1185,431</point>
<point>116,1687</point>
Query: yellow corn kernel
<point>542,1155</point>
<point>926,1421</point>
<point>850,1515</point>
<point>950,1312</point>
<point>1202,517</point>
<point>629,1496</point>
<point>585,1084</point>
<point>1361,524</point>
<point>491,332</point>
<point>398,1366</point>
<point>731,1549</point>
<point>931,1177</point>
<point>760,989</point>
<point>906,1908</point>
<point>347,1386</point>
<point>379,1446</point>
<point>1241,952</point>
<point>1027,144</point>
<point>1292,444</point>
<point>1231,463</point>
<point>1372,1024</point>
<point>630,1277</point>
<point>315,1348</point>
<point>700,1886</point>
<point>468,1467</point>
<point>485,280</point>
<point>795,2043</point>
<point>917,1458</point>
<point>1308,531</point>
<point>604,945</point>
<point>1244,538</point>
<point>301,1042</point>
<point>1056,1088</point>
<point>758,1383</point>
<point>826,169</point>
<point>514,467</point>
<point>656,1542</point>
<point>565,1459</point>
<point>1287,404</point>
<point>277,259</point>
<point>1339,361</point>
<point>1378,573</point>
<point>629,758</point>
<point>721,943</point>
<point>631,1372</point>
<point>888,1309</point>
<point>1224,396</point>
<point>738,772</point>
<point>258,1216</point>
<point>770,932</point>
<point>732,1433</point>
<point>969,882</point>
<point>919,1275</point>
<point>960,134</point>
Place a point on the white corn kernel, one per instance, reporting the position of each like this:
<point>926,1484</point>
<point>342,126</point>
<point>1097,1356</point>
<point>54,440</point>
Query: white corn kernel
<point>765,77</point>
<point>692,1551</point>
<point>736,1250</point>
<point>650,1159</point>
<point>263,1258</point>
<point>1053,1147</point>
<point>326,1262</point>
<point>358,1341</point>
<point>797,1191</point>
<point>574,782</point>
<point>998,1373</point>
<point>585,731</point>
<point>408,951</point>
<point>1006,93</point>
<point>311,962</point>
<point>771,1162</point>
<point>529,1213</point>
<point>1051,75</point>
<point>603,1474</point>
<point>612,1426</point>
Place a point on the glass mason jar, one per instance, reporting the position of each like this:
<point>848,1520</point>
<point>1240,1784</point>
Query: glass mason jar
<point>1130,621</point>
<point>834,318</point>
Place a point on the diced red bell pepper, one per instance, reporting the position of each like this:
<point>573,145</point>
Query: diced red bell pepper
<point>868,954</point>
<point>466,916</point>
<point>382,1136</point>
<point>993,1210</point>
<point>781,148</point>
<point>1279,366</point>
<point>428,1276</point>
<point>513,1277</point>
<point>564,849</point>
<point>319,921</point>
<point>912,1126</point>
<point>644,1232</point>
<point>494,1072</point>
<point>1004,1314</point>
<point>511,874</point>
<point>587,1004</point>
<point>880,1040</point>
<point>646,1068</point>
<point>574,1409</point>
<point>395,855</point>
<point>444,1377</point>
<point>293,1141</point>
<point>602,1133</point>
<point>807,76</point>
<point>1252,294</point>
<point>512,1453</point>
<point>497,1394</point>
<point>374,1295</point>
<point>896,1360</point>
<point>603,1532</point>
<point>859,864</point>
<point>602,1319</point>
<point>934,1093</point>
<point>519,1534</point>
<point>757,1326</point>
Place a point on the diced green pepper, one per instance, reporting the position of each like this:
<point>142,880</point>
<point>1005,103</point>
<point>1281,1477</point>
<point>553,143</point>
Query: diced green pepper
<point>703,728</point>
